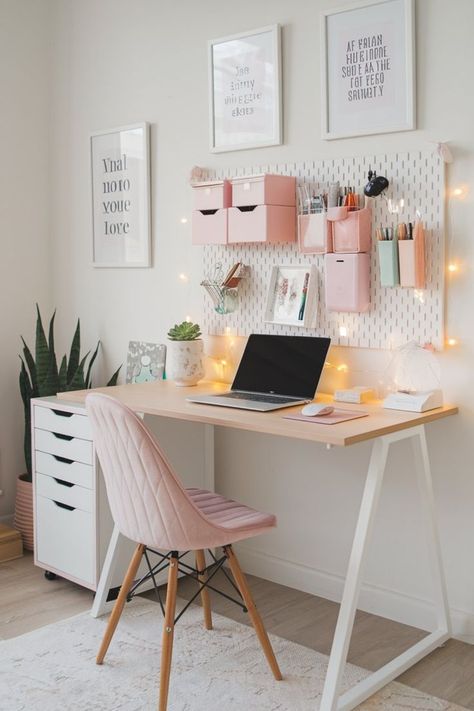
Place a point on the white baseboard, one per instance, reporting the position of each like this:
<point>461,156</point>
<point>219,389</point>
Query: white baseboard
<point>391,604</point>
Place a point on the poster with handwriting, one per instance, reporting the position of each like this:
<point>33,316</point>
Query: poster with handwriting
<point>244,72</point>
<point>120,197</point>
<point>369,70</point>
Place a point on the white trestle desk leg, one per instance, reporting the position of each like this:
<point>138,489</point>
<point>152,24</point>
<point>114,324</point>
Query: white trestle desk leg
<point>99,606</point>
<point>209,476</point>
<point>330,699</point>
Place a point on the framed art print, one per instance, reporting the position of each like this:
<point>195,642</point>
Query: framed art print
<point>245,90</point>
<point>368,68</point>
<point>120,167</point>
<point>145,362</point>
<point>292,296</point>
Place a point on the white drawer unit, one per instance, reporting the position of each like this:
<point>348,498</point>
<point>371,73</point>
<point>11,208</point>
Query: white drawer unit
<point>62,422</point>
<point>72,518</point>
<point>63,492</point>
<point>65,538</point>
<point>66,469</point>
<point>78,450</point>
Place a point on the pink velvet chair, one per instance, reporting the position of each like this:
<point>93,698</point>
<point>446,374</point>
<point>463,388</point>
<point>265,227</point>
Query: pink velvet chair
<point>151,507</point>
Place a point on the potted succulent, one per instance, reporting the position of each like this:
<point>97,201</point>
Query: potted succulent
<point>40,377</point>
<point>185,365</point>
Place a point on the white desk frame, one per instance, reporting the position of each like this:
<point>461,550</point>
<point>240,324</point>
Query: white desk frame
<point>331,699</point>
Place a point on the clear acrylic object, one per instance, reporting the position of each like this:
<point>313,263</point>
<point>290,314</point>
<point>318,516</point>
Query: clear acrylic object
<point>413,369</point>
<point>225,299</point>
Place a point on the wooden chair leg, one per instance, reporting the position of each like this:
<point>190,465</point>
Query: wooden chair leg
<point>205,597</point>
<point>241,581</point>
<point>168,632</point>
<point>120,602</point>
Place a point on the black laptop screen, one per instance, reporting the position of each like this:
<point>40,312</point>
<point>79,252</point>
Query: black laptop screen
<point>287,365</point>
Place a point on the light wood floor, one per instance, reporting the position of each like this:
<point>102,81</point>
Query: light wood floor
<point>28,601</point>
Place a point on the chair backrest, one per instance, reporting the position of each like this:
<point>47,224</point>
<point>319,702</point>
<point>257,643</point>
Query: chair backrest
<point>148,502</point>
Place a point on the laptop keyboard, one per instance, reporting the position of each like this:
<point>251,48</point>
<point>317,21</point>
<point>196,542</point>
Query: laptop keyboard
<point>257,397</point>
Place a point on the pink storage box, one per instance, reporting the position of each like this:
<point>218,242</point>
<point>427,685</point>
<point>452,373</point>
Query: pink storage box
<point>264,223</point>
<point>212,195</point>
<point>347,282</point>
<point>351,229</point>
<point>314,234</point>
<point>265,189</point>
<point>209,227</point>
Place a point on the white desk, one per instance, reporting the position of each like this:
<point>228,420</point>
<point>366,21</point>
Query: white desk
<point>384,427</point>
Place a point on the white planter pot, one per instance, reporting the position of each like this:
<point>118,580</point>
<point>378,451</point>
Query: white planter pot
<point>184,362</point>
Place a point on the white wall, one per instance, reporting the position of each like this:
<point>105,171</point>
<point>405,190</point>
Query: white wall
<point>118,62</point>
<point>25,30</point>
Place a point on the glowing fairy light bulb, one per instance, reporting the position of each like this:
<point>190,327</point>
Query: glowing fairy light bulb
<point>183,277</point>
<point>183,220</point>
<point>452,342</point>
<point>453,268</point>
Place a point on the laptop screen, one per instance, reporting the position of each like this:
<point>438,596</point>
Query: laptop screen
<point>286,365</point>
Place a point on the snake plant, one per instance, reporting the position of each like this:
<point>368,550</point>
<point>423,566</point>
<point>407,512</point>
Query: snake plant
<point>40,375</point>
<point>184,331</point>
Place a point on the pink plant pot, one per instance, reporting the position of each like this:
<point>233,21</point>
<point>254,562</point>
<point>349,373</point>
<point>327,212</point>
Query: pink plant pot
<point>24,511</point>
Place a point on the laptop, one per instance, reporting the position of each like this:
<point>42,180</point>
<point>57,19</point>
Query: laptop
<point>274,372</point>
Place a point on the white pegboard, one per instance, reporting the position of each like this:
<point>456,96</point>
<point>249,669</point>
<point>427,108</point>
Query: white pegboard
<point>397,314</point>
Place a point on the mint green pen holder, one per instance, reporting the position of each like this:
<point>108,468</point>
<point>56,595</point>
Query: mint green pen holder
<point>388,262</point>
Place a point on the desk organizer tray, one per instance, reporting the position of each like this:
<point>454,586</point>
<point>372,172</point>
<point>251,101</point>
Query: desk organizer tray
<point>334,418</point>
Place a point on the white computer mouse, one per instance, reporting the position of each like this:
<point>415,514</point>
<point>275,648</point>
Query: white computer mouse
<point>317,409</point>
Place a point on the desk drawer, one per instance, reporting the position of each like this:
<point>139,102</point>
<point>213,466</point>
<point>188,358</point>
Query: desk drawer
<point>65,540</point>
<point>67,423</point>
<point>67,469</point>
<point>65,493</point>
<point>79,450</point>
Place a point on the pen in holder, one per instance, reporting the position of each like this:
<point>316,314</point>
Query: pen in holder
<point>224,291</point>
<point>412,257</point>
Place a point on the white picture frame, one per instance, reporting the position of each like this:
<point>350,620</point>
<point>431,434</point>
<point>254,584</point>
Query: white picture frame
<point>120,192</point>
<point>368,68</point>
<point>244,73</point>
<point>284,298</point>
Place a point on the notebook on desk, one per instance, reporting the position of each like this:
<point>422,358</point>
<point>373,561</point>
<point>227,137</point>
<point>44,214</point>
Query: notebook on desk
<point>275,372</point>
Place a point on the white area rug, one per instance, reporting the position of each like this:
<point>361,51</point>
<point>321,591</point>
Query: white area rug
<point>53,669</point>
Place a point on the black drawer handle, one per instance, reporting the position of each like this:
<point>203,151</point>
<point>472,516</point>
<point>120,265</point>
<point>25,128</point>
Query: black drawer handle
<point>64,506</point>
<point>247,208</point>
<point>62,436</point>
<point>62,482</point>
<point>65,460</point>
<point>208,212</point>
<point>62,413</point>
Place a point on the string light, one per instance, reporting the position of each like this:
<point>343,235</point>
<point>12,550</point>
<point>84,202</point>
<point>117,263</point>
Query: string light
<point>188,319</point>
<point>183,220</point>
<point>452,342</point>
<point>452,267</point>
<point>183,277</point>
<point>341,368</point>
